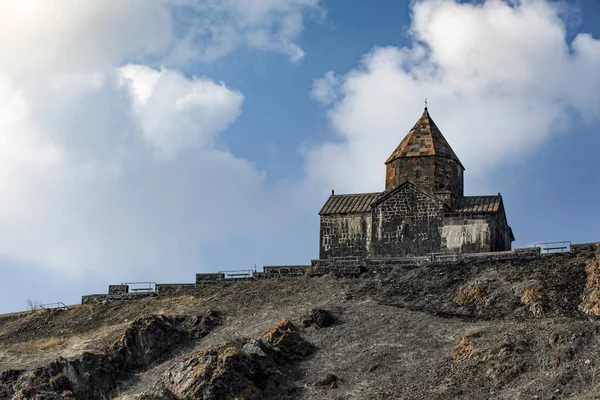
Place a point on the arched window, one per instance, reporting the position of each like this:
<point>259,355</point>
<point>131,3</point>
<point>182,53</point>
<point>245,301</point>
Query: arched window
<point>406,230</point>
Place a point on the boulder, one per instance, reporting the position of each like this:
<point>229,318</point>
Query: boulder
<point>253,347</point>
<point>319,318</point>
<point>285,339</point>
<point>322,318</point>
<point>330,380</point>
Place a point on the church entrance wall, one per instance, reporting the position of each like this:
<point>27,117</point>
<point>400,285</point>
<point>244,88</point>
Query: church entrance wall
<point>406,223</point>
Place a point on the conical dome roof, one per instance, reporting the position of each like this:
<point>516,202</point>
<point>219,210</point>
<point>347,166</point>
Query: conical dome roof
<point>424,139</point>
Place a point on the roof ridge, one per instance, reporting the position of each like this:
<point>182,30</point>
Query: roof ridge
<point>354,194</point>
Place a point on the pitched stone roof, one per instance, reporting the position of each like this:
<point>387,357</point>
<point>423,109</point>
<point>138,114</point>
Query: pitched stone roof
<point>424,139</point>
<point>348,203</point>
<point>477,204</point>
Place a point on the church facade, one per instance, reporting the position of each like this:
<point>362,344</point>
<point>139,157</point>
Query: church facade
<point>423,209</point>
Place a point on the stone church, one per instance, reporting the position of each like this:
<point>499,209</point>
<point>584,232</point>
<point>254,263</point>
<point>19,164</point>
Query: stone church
<point>422,210</point>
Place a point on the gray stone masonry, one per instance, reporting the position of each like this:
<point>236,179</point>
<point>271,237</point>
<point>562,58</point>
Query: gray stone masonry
<point>162,288</point>
<point>118,289</point>
<point>311,270</point>
<point>284,270</point>
<point>209,278</point>
<point>406,222</point>
<point>111,298</point>
<point>584,246</point>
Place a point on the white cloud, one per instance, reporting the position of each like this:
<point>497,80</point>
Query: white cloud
<point>82,187</point>
<point>501,79</point>
<point>216,27</point>
<point>108,163</point>
<point>174,112</point>
<point>73,35</point>
<point>325,90</point>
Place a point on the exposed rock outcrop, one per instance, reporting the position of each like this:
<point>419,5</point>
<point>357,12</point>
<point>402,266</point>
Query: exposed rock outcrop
<point>244,369</point>
<point>8,379</point>
<point>590,304</point>
<point>147,340</point>
<point>95,376</point>
<point>91,376</point>
<point>532,297</point>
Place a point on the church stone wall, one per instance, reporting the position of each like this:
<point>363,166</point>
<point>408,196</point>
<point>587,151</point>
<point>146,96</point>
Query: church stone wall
<point>500,232</point>
<point>466,234</point>
<point>448,176</point>
<point>432,173</point>
<point>345,235</point>
<point>408,206</point>
<point>419,170</point>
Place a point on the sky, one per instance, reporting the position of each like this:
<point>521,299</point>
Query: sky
<point>149,140</point>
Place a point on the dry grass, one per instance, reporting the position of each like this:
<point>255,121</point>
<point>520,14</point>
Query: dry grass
<point>81,308</point>
<point>277,330</point>
<point>477,294</point>
<point>51,343</point>
<point>590,303</point>
<point>532,296</point>
<point>463,350</point>
<point>172,305</point>
<point>35,353</point>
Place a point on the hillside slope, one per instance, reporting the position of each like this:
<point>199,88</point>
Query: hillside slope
<point>518,329</point>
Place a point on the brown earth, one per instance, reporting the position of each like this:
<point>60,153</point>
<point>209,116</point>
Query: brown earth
<point>520,329</point>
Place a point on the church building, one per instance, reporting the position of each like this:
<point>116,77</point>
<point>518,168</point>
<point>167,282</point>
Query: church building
<point>423,209</point>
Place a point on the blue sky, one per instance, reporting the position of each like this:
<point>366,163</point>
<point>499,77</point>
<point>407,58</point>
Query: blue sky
<point>151,140</point>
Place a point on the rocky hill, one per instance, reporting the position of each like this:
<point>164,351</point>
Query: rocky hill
<point>513,329</point>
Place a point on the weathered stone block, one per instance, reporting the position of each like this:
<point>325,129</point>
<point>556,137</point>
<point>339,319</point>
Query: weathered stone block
<point>118,289</point>
<point>162,288</point>
<point>209,278</point>
<point>111,298</point>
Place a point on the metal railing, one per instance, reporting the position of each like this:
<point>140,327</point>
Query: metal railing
<point>60,306</point>
<point>554,247</point>
<point>146,287</point>
<point>237,274</point>
<point>445,256</point>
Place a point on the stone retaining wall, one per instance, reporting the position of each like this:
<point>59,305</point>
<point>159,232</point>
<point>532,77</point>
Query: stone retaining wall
<point>14,316</point>
<point>175,287</point>
<point>209,278</point>
<point>342,266</point>
<point>584,246</point>
<point>118,289</point>
<point>110,298</point>
<point>285,270</point>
